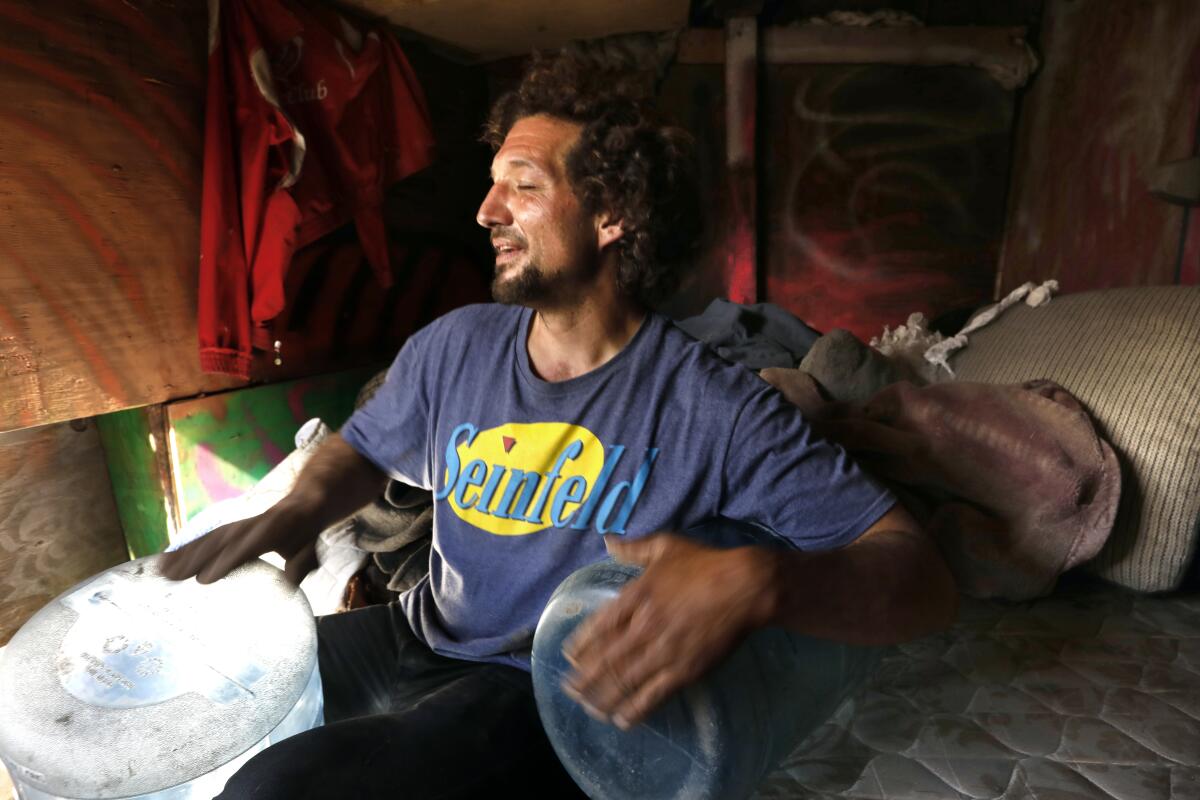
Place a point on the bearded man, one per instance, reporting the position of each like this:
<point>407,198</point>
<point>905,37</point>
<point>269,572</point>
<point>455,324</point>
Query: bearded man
<point>566,422</point>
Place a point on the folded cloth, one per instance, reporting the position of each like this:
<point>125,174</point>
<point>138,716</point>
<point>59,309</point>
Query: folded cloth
<point>1014,482</point>
<point>757,336</point>
<point>398,525</point>
<point>848,370</point>
<point>407,566</point>
<point>382,527</point>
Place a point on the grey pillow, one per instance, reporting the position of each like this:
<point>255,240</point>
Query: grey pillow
<point>1132,356</point>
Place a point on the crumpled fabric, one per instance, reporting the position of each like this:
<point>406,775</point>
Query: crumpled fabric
<point>398,517</point>
<point>848,370</point>
<point>397,527</point>
<point>757,336</point>
<point>1014,482</point>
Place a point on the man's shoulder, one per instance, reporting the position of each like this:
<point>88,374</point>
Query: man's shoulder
<point>719,381</point>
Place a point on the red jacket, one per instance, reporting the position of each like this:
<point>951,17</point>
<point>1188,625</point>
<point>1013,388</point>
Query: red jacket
<point>307,121</point>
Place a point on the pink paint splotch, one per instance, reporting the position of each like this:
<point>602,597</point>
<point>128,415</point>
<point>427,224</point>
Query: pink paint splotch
<point>211,470</point>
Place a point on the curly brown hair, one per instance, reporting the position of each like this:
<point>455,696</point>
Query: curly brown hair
<point>628,162</point>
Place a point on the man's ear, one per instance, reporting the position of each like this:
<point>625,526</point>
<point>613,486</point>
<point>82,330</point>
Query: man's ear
<point>609,228</point>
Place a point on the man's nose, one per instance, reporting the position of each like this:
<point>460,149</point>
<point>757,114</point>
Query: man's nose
<point>494,210</point>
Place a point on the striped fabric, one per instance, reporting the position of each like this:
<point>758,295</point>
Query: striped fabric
<point>1132,356</point>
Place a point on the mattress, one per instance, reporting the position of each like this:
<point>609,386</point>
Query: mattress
<point>1091,693</point>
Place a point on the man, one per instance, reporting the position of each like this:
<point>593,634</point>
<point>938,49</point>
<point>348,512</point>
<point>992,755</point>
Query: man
<point>563,424</point>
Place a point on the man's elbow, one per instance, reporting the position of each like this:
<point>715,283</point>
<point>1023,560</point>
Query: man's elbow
<point>933,602</point>
<point>916,594</point>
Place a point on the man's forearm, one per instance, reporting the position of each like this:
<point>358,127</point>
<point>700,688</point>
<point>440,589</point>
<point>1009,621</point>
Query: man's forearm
<point>335,483</point>
<point>890,587</point>
<point>694,603</point>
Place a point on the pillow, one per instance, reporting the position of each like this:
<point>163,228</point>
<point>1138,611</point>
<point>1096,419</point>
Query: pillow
<point>1132,356</point>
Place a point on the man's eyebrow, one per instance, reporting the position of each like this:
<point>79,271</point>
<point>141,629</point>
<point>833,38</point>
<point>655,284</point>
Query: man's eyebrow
<point>520,163</point>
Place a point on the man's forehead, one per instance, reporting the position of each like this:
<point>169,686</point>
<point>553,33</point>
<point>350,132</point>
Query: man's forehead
<point>539,142</point>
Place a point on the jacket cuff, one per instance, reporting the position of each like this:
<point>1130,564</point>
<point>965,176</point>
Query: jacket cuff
<point>225,362</point>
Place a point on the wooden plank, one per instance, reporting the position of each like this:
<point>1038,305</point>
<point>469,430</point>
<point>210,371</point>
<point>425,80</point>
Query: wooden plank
<point>485,30</point>
<point>693,96</point>
<point>100,158</point>
<point>1115,98</point>
<point>741,133</point>
<point>135,447</point>
<point>58,522</point>
<point>1000,51</point>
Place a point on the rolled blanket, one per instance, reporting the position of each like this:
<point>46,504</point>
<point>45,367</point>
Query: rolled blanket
<point>1013,481</point>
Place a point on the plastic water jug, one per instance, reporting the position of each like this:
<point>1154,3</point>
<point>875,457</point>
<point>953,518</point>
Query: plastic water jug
<point>716,739</point>
<point>130,685</point>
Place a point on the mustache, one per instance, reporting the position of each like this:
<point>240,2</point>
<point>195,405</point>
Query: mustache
<point>510,234</point>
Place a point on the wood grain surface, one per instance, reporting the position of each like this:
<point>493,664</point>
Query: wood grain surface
<point>58,522</point>
<point>1118,94</point>
<point>100,158</point>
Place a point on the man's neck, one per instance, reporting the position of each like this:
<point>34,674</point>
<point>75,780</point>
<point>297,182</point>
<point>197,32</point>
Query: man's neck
<point>567,343</point>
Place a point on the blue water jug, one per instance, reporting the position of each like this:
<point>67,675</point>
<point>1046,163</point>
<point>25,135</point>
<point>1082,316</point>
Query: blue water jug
<point>715,739</point>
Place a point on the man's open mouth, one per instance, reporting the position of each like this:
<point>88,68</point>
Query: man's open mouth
<point>506,250</point>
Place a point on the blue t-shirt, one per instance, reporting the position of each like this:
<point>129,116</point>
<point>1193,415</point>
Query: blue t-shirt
<point>527,474</point>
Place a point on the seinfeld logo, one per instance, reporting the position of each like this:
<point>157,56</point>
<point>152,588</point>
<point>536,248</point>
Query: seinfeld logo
<point>520,478</point>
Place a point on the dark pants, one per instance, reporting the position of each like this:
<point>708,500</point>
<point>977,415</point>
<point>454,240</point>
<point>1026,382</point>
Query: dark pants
<point>402,721</point>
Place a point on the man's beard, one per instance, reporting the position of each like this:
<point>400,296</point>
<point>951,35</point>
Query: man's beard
<point>534,288</point>
<point>527,288</point>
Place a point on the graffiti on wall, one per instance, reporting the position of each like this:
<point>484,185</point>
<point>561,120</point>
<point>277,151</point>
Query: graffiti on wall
<point>882,190</point>
<point>885,191</point>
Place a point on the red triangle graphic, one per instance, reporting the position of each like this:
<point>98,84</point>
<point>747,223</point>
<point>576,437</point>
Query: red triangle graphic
<point>508,444</point>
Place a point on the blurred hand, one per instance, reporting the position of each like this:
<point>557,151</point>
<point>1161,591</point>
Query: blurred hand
<point>691,607</point>
<point>214,555</point>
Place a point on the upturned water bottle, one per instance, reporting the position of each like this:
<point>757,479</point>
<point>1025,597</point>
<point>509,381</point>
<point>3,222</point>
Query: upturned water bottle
<point>718,738</point>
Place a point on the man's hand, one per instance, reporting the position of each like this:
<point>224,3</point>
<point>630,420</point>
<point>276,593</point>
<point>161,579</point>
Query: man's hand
<point>691,607</point>
<point>695,603</point>
<point>215,555</point>
<point>335,483</point>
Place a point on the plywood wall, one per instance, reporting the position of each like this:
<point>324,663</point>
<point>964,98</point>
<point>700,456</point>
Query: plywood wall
<point>1118,94</point>
<point>58,522</point>
<point>100,156</point>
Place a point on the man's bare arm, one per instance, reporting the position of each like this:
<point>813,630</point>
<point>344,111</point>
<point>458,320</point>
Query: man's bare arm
<point>335,483</point>
<point>890,585</point>
<point>693,604</point>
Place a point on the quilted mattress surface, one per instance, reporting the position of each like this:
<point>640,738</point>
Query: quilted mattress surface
<point>1090,693</point>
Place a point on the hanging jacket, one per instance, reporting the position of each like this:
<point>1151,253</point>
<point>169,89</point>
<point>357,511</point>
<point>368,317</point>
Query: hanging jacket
<point>307,121</point>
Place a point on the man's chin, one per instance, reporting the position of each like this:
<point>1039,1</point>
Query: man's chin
<point>519,288</point>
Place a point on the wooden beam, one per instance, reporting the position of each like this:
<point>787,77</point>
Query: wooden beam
<point>1001,51</point>
<point>741,126</point>
<point>136,447</point>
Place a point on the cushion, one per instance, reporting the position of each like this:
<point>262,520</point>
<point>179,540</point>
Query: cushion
<point>1132,356</point>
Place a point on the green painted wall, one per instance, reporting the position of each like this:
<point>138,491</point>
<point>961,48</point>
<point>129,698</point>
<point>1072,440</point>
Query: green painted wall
<point>137,486</point>
<point>218,446</point>
<point>224,444</point>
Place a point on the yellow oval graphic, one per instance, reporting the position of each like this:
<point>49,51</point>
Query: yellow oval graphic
<point>520,478</point>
